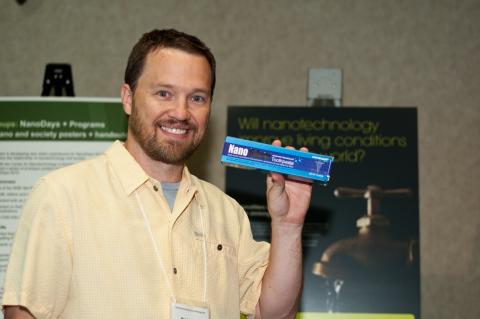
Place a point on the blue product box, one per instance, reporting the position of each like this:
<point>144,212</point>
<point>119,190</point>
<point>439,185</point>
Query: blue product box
<point>295,164</point>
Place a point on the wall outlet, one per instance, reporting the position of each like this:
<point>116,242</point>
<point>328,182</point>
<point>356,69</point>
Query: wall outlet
<point>325,84</point>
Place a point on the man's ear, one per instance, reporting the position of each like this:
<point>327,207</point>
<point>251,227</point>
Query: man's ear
<point>126,95</point>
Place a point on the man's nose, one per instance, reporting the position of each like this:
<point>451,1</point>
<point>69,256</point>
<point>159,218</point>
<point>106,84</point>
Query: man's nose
<point>180,109</point>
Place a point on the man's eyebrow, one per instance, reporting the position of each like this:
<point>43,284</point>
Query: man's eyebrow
<point>204,91</point>
<point>162,85</point>
<point>157,86</point>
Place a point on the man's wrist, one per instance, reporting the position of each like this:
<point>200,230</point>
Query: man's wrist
<point>286,227</point>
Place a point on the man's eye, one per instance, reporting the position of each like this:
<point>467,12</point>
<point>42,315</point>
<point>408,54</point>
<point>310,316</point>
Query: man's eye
<point>198,99</point>
<point>163,93</point>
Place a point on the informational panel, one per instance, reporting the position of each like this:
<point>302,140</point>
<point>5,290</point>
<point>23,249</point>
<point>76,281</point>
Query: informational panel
<point>361,255</point>
<point>38,135</point>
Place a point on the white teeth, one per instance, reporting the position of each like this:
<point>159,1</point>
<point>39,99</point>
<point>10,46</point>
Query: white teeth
<point>172,130</point>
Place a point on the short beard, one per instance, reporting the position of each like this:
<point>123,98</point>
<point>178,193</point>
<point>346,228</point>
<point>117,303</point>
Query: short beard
<point>168,152</point>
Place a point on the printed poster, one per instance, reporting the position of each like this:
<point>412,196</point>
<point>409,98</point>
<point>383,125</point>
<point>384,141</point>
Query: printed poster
<point>38,135</point>
<point>361,237</point>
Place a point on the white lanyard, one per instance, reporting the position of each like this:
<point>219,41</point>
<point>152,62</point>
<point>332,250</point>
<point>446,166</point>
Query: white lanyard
<point>159,257</point>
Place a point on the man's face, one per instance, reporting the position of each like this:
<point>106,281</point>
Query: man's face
<point>171,105</point>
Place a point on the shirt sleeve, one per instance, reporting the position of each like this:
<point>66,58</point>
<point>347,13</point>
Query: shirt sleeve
<point>253,261</point>
<point>39,270</point>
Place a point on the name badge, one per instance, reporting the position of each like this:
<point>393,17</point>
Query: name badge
<point>181,311</point>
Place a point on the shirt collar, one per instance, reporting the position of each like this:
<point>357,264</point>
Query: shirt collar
<point>132,175</point>
<point>127,169</point>
<point>187,184</point>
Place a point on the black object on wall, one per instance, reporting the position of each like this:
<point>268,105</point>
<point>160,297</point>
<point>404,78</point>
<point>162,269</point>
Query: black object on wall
<point>58,76</point>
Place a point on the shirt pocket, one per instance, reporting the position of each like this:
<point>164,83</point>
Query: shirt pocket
<point>218,249</point>
<point>222,271</point>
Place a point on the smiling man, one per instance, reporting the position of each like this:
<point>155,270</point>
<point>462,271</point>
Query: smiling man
<point>132,234</point>
<point>169,107</point>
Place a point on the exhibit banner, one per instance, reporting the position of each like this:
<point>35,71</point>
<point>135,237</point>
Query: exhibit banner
<point>361,236</point>
<point>38,135</point>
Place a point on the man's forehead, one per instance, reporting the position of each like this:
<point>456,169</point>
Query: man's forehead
<point>165,52</point>
<point>163,63</point>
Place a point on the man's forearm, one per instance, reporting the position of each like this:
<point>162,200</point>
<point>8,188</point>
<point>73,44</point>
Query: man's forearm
<point>282,283</point>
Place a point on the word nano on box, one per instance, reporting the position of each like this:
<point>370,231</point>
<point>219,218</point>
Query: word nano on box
<point>295,164</point>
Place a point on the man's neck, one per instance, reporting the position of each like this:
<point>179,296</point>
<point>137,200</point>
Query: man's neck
<point>160,171</point>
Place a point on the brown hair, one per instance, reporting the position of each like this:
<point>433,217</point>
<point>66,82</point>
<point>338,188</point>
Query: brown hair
<point>167,38</point>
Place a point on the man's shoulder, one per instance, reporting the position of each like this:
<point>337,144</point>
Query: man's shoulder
<point>72,181</point>
<point>86,169</point>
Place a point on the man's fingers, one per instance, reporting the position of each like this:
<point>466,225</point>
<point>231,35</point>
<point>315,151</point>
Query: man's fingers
<point>279,143</point>
<point>275,178</point>
<point>275,183</point>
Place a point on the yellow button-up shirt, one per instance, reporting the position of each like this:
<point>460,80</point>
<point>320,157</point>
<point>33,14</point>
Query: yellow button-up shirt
<point>83,247</point>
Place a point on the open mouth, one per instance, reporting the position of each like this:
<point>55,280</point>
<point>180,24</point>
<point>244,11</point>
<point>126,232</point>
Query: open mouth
<point>174,130</point>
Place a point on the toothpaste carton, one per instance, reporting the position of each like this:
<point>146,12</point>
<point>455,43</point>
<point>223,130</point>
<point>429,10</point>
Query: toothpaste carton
<point>295,164</point>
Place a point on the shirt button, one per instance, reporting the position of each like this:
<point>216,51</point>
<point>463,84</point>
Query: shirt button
<point>155,188</point>
<point>219,247</point>
<point>175,270</point>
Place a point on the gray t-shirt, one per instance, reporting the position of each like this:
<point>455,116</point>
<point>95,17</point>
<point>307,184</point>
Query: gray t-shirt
<point>170,192</point>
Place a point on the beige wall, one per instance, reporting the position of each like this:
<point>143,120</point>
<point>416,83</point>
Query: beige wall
<point>393,53</point>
